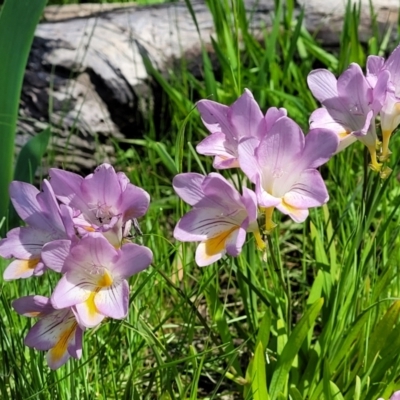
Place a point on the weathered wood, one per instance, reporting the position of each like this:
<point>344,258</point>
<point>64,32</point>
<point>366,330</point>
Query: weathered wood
<point>86,73</point>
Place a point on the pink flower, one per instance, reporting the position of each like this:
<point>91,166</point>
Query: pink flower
<point>220,216</point>
<point>94,281</point>
<point>56,331</point>
<point>48,225</point>
<point>230,124</point>
<point>104,201</point>
<point>350,106</point>
<point>377,70</point>
<point>283,168</point>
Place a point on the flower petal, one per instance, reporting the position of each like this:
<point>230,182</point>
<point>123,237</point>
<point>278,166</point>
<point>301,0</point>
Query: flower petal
<point>215,117</point>
<point>235,241</point>
<point>75,345</point>
<point>247,158</point>
<point>246,117</point>
<point>55,253</point>
<point>203,223</point>
<point>73,288</point>
<point>102,186</point>
<point>308,191</point>
<point>21,269</point>
<point>33,306</point>
<point>320,145</point>
<point>132,259</point>
<point>87,314</point>
<point>188,187</point>
<point>133,203</point>
<point>323,84</point>
<point>113,300</point>
<point>393,65</point>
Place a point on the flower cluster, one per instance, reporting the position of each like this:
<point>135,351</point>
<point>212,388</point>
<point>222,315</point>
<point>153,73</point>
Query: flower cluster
<point>352,103</point>
<point>275,156</point>
<point>78,227</point>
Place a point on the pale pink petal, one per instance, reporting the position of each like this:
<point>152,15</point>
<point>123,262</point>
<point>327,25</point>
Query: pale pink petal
<point>93,249</point>
<point>87,314</point>
<point>374,65</point>
<point>75,345</point>
<point>296,214</point>
<point>133,202</point>
<point>24,243</point>
<point>215,117</point>
<point>33,306</point>
<point>67,188</point>
<point>73,288</point>
<point>113,301</point>
<point>21,269</point>
<point>202,223</point>
<point>23,196</point>
<point>188,187</point>
<point>320,118</point>
<point>320,145</point>
<point>50,208</point>
<point>273,114</point>
<point>308,191</point>
<point>132,259</point>
<point>102,186</point>
<point>249,199</point>
<point>246,117</point>
<point>203,259</point>
<point>55,253</point>
<point>55,361</point>
<point>47,331</point>
<point>281,147</point>
<point>247,158</point>
<point>235,241</point>
<point>323,84</point>
<point>393,65</point>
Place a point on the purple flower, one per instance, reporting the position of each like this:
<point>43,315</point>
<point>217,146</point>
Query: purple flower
<point>104,201</point>
<point>230,124</point>
<point>220,216</point>
<point>350,106</point>
<point>56,331</point>
<point>378,70</point>
<point>283,167</point>
<point>48,225</point>
<point>94,281</point>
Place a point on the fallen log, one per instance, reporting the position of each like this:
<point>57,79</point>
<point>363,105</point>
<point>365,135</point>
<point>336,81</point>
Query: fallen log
<point>87,78</point>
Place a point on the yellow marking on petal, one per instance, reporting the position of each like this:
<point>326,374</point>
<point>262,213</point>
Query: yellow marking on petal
<point>269,224</point>
<point>217,243</point>
<point>105,280</point>
<point>344,134</point>
<point>386,134</point>
<point>33,314</point>
<point>260,243</point>
<point>375,166</point>
<point>57,352</point>
<point>26,265</point>
<point>92,309</point>
<point>89,229</point>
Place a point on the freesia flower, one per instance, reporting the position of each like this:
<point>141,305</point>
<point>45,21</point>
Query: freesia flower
<point>220,216</point>
<point>56,331</point>
<point>230,124</point>
<point>283,168</point>
<point>350,106</point>
<point>94,281</point>
<point>104,201</point>
<point>378,69</point>
<point>48,224</point>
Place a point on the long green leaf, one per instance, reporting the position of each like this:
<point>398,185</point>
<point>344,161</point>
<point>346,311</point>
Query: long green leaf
<point>292,348</point>
<point>18,21</point>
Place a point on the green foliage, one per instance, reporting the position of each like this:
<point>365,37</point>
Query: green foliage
<point>314,317</point>
<point>15,44</point>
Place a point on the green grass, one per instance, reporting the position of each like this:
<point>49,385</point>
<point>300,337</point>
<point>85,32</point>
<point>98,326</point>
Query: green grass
<point>315,317</point>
